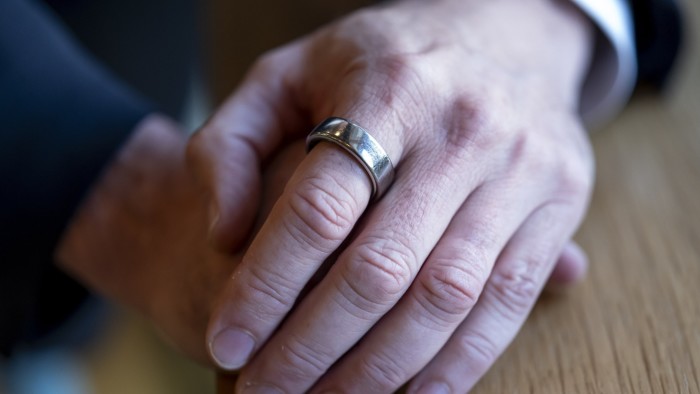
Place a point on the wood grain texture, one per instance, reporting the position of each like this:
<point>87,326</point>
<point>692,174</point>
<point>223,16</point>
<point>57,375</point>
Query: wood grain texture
<point>634,325</point>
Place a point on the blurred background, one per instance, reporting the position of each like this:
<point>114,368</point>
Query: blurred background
<point>123,354</point>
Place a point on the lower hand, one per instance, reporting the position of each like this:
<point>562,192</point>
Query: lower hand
<point>141,236</point>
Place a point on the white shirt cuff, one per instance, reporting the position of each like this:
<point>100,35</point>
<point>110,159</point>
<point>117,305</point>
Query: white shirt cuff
<point>613,71</point>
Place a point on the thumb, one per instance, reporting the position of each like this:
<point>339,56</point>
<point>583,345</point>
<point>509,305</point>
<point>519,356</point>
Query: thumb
<point>227,152</point>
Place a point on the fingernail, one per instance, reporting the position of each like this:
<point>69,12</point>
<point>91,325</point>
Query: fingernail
<point>231,348</point>
<point>213,216</point>
<point>433,388</point>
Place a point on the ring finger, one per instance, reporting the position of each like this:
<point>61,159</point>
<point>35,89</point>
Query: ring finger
<point>442,295</point>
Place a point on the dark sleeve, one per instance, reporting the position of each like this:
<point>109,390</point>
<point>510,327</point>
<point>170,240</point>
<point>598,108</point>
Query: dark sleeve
<point>659,35</point>
<point>61,119</point>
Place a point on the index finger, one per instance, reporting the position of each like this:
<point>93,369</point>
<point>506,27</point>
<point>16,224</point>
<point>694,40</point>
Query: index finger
<point>317,211</point>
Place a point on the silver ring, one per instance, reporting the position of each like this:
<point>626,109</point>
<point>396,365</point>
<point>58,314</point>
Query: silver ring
<point>359,143</point>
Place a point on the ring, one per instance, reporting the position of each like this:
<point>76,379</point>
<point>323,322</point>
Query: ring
<point>359,143</point>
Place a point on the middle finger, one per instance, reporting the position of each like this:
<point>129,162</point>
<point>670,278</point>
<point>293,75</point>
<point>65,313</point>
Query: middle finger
<point>445,291</point>
<point>369,277</point>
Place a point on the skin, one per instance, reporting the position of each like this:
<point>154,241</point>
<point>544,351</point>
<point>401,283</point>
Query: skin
<point>475,103</point>
<point>147,214</point>
<point>141,236</point>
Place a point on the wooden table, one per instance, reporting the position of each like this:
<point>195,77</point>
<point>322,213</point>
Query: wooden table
<point>634,325</point>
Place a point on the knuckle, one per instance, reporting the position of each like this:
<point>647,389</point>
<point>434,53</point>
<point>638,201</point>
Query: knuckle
<point>396,80</point>
<point>515,290</point>
<point>266,62</point>
<point>447,291</point>
<point>268,293</point>
<point>398,68</point>
<point>304,361</point>
<point>385,263</point>
<point>575,178</point>
<point>472,127</point>
<point>391,85</point>
<point>530,154</point>
<point>324,208</point>
<point>480,349</point>
<point>378,274</point>
<point>533,160</point>
<point>383,371</point>
<point>566,165</point>
<point>214,145</point>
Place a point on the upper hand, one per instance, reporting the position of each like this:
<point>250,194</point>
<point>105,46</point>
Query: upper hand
<point>476,105</point>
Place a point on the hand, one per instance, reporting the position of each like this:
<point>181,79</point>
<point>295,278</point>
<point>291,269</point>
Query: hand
<point>141,237</point>
<point>476,104</point>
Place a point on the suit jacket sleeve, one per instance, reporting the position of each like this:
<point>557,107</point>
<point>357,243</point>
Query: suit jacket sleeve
<point>658,31</point>
<point>61,118</point>
<point>637,44</point>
